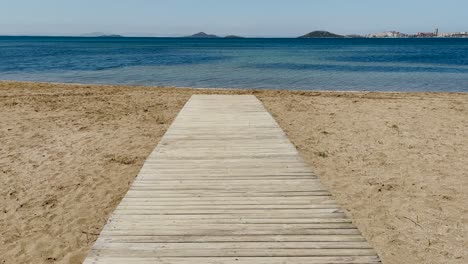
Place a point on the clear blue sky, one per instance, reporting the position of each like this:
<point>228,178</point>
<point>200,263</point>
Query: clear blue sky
<point>243,17</point>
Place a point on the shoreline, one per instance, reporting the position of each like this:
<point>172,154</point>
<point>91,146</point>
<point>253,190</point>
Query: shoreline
<point>221,89</point>
<point>395,161</point>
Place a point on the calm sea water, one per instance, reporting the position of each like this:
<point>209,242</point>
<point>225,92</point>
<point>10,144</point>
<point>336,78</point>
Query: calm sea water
<point>305,64</point>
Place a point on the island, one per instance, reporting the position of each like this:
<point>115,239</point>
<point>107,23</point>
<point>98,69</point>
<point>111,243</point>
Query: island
<point>100,35</point>
<point>321,34</point>
<point>202,35</point>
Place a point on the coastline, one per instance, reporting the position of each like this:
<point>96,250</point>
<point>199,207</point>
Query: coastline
<point>393,160</point>
<point>228,90</point>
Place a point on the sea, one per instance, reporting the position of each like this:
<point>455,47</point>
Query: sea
<point>361,64</point>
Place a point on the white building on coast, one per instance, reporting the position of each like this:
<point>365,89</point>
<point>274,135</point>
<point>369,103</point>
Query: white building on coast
<point>387,34</point>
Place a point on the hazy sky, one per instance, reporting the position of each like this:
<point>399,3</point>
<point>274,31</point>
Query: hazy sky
<point>242,17</point>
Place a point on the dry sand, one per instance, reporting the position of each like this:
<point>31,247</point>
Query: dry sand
<point>397,162</point>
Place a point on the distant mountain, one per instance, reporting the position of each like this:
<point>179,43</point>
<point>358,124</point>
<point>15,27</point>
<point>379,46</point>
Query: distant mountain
<point>202,35</point>
<point>100,35</point>
<point>321,34</point>
<point>233,36</point>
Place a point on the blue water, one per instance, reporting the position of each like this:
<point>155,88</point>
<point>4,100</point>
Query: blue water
<point>305,64</point>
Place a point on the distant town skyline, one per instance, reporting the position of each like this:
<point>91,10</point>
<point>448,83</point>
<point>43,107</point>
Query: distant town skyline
<point>261,18</point>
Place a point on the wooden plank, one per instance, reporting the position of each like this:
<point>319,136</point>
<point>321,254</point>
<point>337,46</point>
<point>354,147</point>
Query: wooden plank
<point>226,231</point>
<point>273,215</point>
<point>229,238</point>
<point>244,245</point>
<point>235,260</point>
<point>225,185</point>
<point>255,252</point>
<point>228,221</point>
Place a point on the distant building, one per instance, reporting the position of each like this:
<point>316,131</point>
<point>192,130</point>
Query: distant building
<point>460,35</point>
<point>453,35</point>
<point>387,34</point>
<point>444,35</point>
<point>434,34</point>
<point>425,35</point>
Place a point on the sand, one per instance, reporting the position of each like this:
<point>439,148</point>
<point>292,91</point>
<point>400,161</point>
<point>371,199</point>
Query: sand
<point>397,163</point>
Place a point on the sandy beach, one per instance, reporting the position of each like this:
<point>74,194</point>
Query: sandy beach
<point>396,162</point>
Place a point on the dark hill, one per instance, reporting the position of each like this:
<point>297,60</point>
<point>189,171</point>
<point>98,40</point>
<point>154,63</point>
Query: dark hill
<point>321,34</point>
<point>101,35</point>
<point>202,35</point>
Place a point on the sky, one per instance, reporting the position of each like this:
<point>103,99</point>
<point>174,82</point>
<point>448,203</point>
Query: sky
<point>268,18</point>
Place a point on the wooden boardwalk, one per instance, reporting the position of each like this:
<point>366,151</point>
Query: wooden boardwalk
<point>225,185</point>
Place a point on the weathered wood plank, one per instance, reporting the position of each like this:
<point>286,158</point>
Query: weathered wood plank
<point>255,252</point>
<point>229,238</point>
<point>235,260</point>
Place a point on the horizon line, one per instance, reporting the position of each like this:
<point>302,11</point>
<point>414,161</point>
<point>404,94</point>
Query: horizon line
<point>149,35</point>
